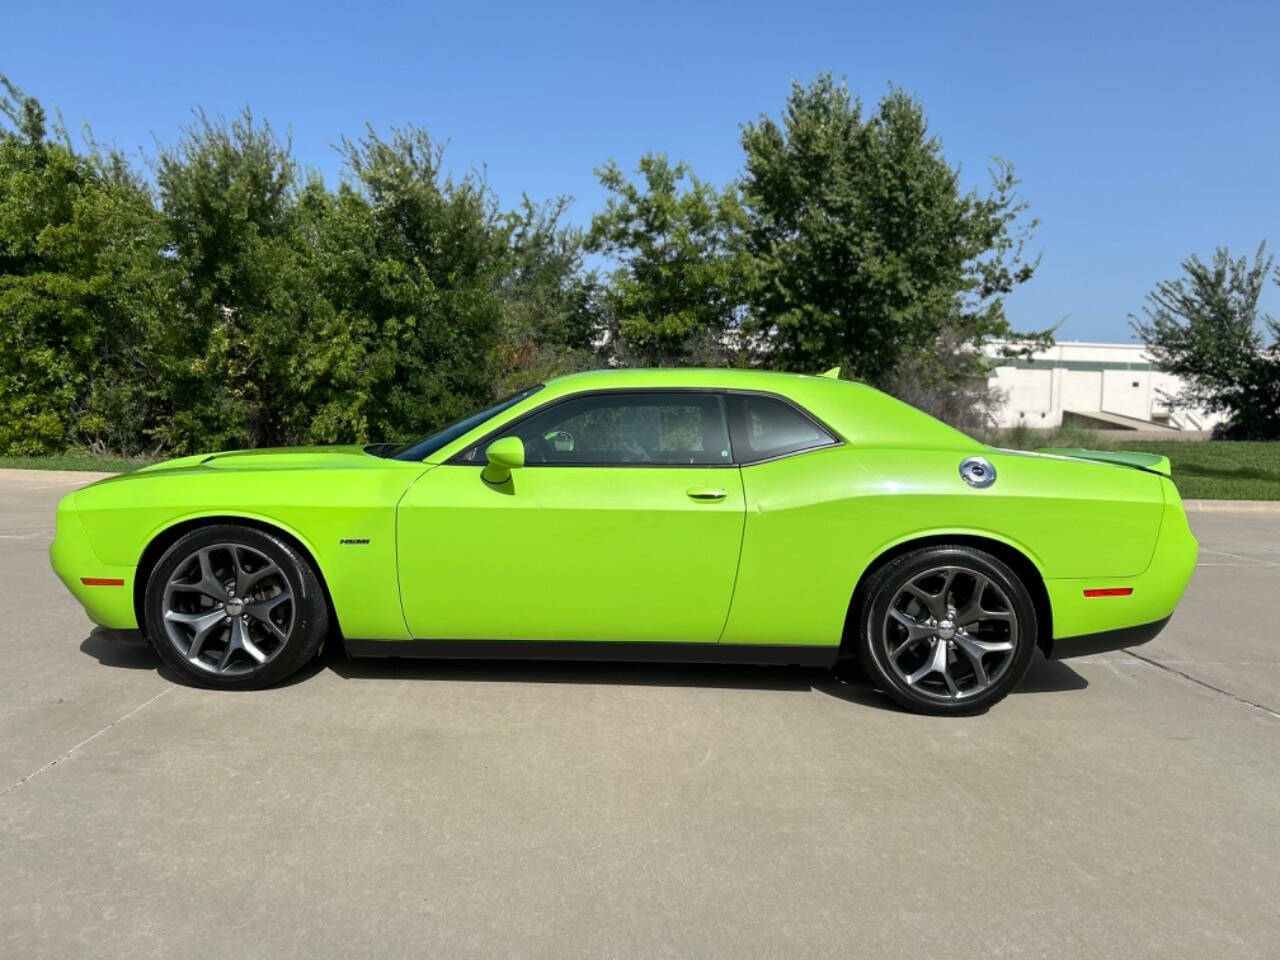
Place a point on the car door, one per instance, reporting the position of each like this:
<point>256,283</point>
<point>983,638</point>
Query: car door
<point>624,524</point>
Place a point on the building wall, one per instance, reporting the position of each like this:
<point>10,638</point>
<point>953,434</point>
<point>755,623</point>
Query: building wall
<point>1082,377</point>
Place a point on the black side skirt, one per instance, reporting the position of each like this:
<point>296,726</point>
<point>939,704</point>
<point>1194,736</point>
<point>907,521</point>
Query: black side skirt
<point>1090,643</point>
<point>806,656</point>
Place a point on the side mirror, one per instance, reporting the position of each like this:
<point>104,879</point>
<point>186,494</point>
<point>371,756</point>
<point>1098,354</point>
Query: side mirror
<point>504,456</point>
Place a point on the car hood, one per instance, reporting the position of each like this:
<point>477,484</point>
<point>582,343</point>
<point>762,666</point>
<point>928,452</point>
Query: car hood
<point>272,458</point>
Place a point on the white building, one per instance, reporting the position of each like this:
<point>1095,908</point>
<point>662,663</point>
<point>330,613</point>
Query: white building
<point>1098,385</point>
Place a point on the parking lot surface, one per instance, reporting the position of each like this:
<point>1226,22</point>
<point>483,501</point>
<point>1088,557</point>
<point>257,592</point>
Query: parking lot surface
<point>1125,805</point>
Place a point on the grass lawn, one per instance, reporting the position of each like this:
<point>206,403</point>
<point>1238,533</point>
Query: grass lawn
<point>76,460</point>
<point>1212,470</point>
<point>1220,469</point>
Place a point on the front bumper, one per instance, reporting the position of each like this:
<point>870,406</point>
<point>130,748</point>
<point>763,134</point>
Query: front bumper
<point>104,590</point>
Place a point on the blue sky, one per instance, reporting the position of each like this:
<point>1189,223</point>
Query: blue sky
<point>1142,132</point>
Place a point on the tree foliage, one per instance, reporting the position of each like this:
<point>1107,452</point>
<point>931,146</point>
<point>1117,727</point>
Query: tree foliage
<point>1205,326</point>
<point>79,290</point>
<point>232,299</point>
<point>866,249</point>
<point>679,292</point>
<point>239,303</point>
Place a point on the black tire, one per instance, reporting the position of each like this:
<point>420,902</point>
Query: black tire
<point>901,602</point>
<point>282,616</point>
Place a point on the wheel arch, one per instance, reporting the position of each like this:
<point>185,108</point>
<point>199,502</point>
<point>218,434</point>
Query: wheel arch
<point>1019,560</point>
<point>162,539</point>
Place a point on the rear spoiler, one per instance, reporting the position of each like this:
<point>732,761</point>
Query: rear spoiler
<point>1151,462</point>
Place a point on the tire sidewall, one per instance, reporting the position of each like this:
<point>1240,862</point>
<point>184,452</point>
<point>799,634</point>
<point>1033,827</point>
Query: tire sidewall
<point>884,589</point>
<point>310,616</point>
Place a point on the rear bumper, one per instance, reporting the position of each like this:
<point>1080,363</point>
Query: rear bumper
<point>1079,617</point>
<point>1064,648</point>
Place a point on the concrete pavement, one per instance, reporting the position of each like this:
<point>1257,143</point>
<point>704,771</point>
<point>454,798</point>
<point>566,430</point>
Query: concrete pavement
<point>1116,806</point>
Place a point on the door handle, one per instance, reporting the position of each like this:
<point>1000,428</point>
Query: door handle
<point>706,493</point>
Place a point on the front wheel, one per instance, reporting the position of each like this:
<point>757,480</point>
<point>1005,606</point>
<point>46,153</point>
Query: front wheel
<point>234,607</point>
<point>947,629</point>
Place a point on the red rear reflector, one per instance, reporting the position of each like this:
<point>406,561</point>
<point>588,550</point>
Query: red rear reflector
<point>1109,592</point>
<point>102,582</point>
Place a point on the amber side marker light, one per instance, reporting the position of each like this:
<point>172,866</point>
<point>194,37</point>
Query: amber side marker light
<point>102,582</point>
<point>1109,592</point>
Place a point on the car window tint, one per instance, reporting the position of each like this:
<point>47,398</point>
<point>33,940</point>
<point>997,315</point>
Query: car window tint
<point>423,447</point>
<point>771,428</point>
<point>610,429</point>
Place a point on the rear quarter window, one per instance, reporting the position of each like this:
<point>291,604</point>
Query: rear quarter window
<point>766,428</point>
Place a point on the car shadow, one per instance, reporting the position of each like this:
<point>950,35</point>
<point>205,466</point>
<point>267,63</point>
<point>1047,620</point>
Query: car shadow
<point>115,649</point>
<point>1050,676</point>
<point>733,676</point>
<point>846,682</point>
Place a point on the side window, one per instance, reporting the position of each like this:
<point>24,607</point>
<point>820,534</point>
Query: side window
<point>765,428</point>
<point>608,429</point>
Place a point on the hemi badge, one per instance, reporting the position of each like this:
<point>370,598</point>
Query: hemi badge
<point>102,581</point>
<point>1109,592</point>
<point>353,541</point>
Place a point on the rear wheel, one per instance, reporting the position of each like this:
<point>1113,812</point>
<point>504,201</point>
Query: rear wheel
<point>947,629</point>
<point>234,607</point>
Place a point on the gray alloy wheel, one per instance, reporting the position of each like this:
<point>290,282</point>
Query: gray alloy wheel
<point>228,609</point>
<point>950,633</point>
<point>234,607</point>
<point>946,629</point>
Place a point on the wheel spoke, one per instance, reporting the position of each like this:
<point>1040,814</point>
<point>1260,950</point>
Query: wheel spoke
<point>275,629</point>
<point>202,623</point>
<point>261,609</point>
<point>249,647</point>
<point>972,614</point>
<point>987,646</point>
<point>944,594</point>
<point>246,581</point>
<point>937,663</point>
<point>928,668</point>
<point>240,572</point>
<point>946,675</point>
<point>974,653</point>
<point>932,601</point>
<point>209,584</point>
<point>234,642</point>
<point>916,631</point>
<point>972,610</point>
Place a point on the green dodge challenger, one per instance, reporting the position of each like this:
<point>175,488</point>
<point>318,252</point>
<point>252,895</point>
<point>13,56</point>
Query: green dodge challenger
<point>711,515</point>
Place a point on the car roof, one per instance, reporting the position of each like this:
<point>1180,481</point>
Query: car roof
<point>709,377</point>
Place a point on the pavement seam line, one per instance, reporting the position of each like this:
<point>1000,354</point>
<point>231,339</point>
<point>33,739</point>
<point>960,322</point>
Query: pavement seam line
<point>57,760</point>
<point>1208,686</point>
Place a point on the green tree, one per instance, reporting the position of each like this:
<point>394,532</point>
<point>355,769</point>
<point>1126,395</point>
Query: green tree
<point>551,304</point>
<point>227,194</point>
<point>80,291</point>
<point>867,252</point>
<point>1205,327</point>
<point>420,275</point>
<point>679,293</point>
<point>311,315</point>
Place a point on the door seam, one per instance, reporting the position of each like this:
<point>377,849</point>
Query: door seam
<point>737,569</point>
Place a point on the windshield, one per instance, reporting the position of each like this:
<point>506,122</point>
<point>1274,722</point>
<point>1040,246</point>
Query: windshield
<point>423,447</point>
